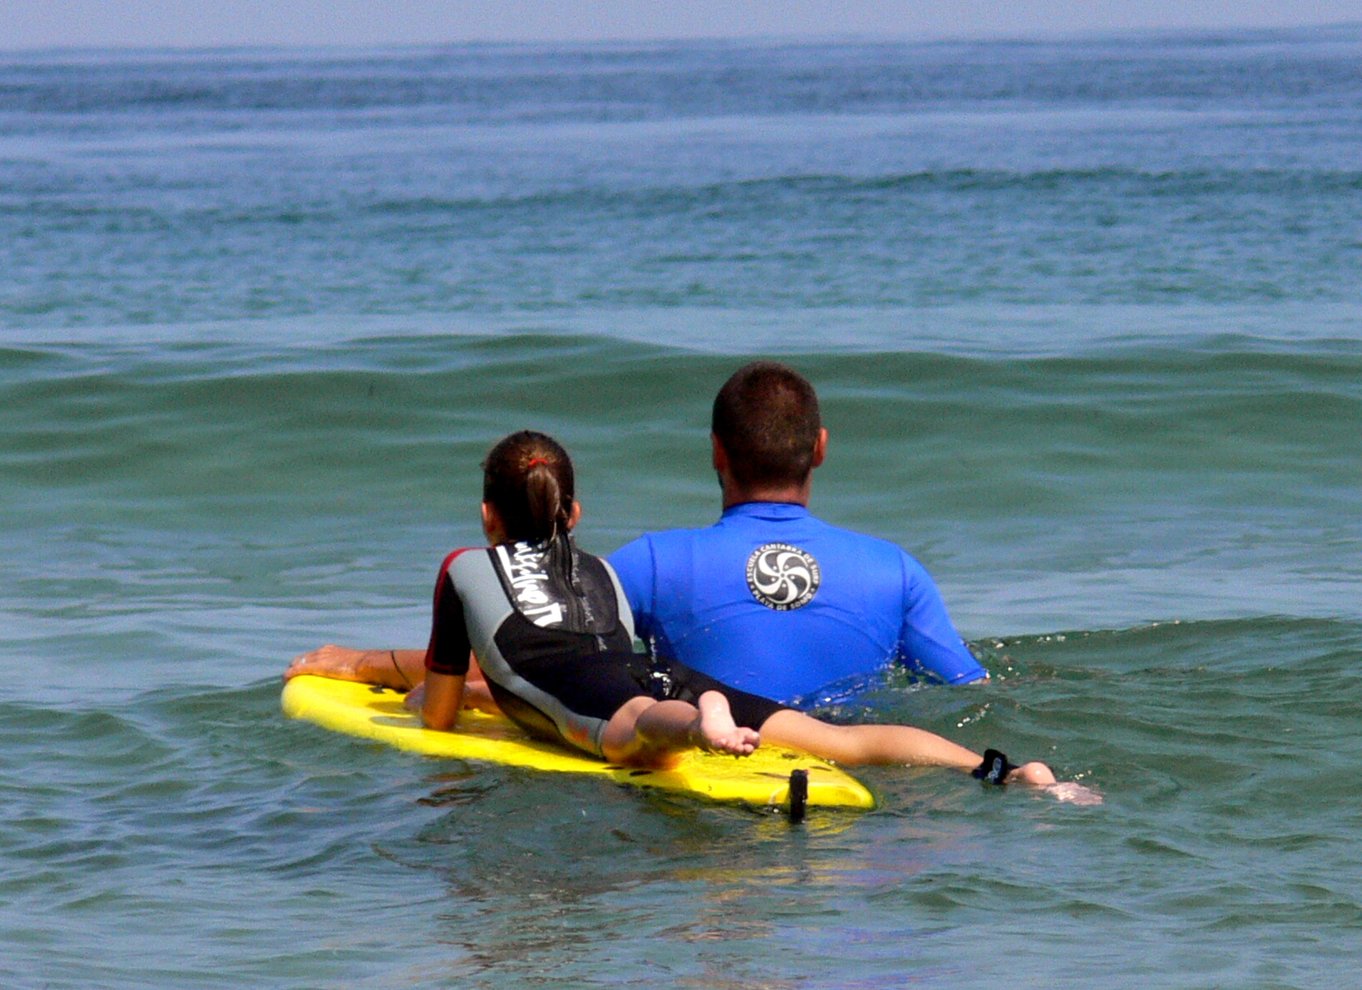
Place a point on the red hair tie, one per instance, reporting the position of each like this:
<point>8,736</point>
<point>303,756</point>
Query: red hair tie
<point>536,460</point>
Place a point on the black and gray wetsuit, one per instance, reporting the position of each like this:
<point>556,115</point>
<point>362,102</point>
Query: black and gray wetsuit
<point>555,639</point>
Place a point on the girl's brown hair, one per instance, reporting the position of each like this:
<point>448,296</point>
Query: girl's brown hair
<point>527,477</point>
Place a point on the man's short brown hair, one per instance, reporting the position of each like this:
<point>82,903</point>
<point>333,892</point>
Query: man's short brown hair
<point>766,417</point>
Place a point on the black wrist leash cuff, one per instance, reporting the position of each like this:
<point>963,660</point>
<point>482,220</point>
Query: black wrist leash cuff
<point>994,769</point>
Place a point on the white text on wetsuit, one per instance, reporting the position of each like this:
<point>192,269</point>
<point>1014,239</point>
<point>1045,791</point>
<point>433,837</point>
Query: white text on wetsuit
<point>525,571</point>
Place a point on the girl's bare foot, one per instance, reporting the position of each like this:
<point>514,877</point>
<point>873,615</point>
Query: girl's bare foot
<point>1035,774</point>
<point>1039,775</point>
<point>716,731</point>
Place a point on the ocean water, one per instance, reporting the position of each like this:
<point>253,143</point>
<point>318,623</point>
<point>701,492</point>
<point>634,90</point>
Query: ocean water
<point>1086,322</point>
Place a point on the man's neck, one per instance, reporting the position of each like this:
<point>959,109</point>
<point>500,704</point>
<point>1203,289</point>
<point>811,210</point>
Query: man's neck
<point>735,494</point>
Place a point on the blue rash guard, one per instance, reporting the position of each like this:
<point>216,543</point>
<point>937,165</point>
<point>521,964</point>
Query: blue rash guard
<point>774,601</point>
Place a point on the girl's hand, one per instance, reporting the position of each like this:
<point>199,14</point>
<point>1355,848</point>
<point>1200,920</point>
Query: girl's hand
<point>340,662</point>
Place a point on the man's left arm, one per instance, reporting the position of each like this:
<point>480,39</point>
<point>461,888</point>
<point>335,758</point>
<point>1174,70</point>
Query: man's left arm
<point>634,567</point>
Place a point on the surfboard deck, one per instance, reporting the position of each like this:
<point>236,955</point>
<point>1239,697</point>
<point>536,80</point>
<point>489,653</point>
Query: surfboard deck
<point>765,779</point>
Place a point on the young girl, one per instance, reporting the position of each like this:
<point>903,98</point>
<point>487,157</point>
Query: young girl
<point>551,632</point>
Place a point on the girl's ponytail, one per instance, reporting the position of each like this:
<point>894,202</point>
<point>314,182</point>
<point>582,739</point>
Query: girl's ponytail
<point>548,517</point>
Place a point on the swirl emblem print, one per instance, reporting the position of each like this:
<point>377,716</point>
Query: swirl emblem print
<point>782,577</point>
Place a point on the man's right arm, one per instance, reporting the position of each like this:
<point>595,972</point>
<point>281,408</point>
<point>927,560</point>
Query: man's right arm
<point>930,643</point>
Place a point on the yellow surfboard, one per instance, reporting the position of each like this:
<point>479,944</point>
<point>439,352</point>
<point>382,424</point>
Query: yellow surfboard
<point>770,777</point>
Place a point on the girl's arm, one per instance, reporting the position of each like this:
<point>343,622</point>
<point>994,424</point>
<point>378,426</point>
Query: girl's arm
<point>444,698</point>
<point>476,694</point>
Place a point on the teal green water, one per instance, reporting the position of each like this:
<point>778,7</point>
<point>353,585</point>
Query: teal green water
<point>1084,320</point>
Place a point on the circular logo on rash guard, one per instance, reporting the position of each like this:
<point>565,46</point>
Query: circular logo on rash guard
<point>782,577</point>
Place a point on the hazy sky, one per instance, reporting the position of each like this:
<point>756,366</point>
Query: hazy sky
<point>83,23</point>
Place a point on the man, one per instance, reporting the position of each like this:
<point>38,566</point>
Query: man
<point>770,599</point>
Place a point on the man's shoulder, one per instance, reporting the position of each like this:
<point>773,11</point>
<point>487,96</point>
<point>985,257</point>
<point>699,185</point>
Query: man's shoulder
<point>856,538</point>
<point>635,558</point>
<point>728,530</point>
<point>660,538</point>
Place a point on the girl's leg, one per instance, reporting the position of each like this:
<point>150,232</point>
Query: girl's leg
<point>655,733</point>
<point>855,745</point>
